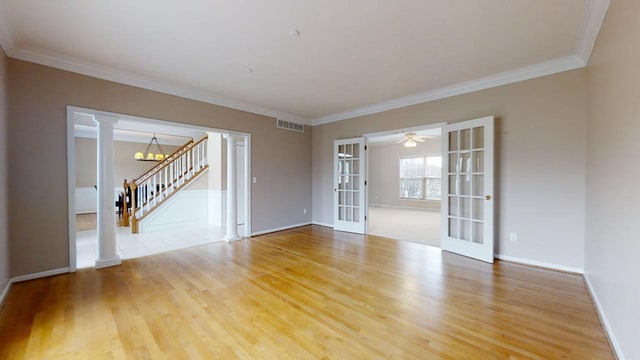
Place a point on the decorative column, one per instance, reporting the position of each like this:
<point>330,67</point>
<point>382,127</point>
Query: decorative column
<point>107,255</point>
<point>232,198</point>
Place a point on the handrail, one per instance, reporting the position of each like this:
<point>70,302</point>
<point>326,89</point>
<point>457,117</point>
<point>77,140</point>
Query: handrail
<point>155,186</point>
<point>166,159</point>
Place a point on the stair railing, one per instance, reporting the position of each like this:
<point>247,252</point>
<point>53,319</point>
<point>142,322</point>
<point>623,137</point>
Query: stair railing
<point>157,185</point>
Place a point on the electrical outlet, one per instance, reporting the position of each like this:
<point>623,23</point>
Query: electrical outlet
<point>513,236</point>
<point>304,211</point>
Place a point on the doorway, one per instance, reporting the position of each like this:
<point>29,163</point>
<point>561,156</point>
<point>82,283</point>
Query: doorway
<point>404,187</point>
<point>133,133</point>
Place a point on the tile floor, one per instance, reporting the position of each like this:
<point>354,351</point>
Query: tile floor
<point>152,242</point>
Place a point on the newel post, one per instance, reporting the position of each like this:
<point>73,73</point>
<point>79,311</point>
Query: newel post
<point>134,220</point>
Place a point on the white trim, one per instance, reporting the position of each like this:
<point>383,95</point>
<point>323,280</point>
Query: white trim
<point>508,77</point>
<point>39,275</point>
<point>71,189</point>
<point>281,228</point>
<point>321,224</point>
<point>603,319</point>
<point>5,291</point>
<point>540,264</point>
<point>63,62</point>
<point>101,264</point>
<point>248,183</point>
<point>595,12</point>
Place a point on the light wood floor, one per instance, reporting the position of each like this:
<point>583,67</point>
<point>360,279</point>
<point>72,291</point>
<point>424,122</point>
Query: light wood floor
<point>304,293</point>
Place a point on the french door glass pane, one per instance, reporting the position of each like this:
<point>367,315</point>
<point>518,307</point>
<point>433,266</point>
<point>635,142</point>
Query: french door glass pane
<point>453,227</point>
<point>465,207</point>
<point>478,137</point>
<point>477,161</point>
<point>465,230</point>
<point>478,209</point>
<point>453,206</point>
<point>453,163</point>
<point>465,139</point>
<point>453,184</point>
<point>465,162</point>
<point>465,185</point>
<point>478,185</point>
<point>453,141</point>
<point>478,232</point>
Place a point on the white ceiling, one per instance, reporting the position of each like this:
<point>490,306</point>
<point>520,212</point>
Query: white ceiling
<point>351,58</point>
<point>397,136</point>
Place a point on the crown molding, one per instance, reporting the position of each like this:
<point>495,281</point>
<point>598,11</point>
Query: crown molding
<point>595,12</point>
<point>107,73</point>
<point>507,77</point>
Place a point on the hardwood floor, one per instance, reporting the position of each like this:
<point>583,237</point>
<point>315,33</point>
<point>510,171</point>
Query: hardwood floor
<point>304,293</point>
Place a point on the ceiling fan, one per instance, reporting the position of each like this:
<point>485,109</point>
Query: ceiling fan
<point>410,139</point>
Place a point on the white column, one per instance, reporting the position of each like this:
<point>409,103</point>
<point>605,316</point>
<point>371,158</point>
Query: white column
<point>232,199</point>
<point>107,255</point>
<point>214,160</point>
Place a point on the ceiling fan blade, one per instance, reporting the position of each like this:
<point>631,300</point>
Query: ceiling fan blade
<point>419,139</point>
<point>401,141</point>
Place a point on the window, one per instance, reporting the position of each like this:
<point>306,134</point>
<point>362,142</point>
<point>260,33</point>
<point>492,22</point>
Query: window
<point>420,178</point>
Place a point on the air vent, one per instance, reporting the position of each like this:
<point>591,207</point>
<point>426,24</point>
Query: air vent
<point>288,125</point>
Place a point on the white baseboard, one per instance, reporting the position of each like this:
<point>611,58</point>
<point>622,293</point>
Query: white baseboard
<point>322,224</point>
<point>540,264</point>
<point>603,319</point>
<point>5,291</point>
<point>101,264</point>
<point>42,274</point>
<point>280,228</point>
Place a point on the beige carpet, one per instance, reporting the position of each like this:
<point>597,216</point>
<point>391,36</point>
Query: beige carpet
<point>417,226</point>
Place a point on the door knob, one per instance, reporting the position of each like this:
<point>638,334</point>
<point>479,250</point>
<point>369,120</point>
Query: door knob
<point>487,197</point>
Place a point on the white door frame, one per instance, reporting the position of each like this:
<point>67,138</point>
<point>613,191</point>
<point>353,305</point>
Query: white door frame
<point>385,133</point>
<point>71,168</point>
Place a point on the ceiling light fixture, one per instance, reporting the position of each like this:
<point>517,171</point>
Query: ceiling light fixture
<point>149,156</point>
<point>248,70</point>
<point>294,33</point>
<point>410,143</point>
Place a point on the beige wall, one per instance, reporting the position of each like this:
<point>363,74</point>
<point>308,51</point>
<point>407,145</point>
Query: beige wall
<point>4,224</point>
<point>612,260</point>
<point>38,96</point>
<point>384,173</point>
<point>540,160</point>
<point>125,166</point>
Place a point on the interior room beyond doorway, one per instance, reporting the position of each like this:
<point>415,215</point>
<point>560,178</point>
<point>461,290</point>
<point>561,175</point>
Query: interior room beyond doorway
<point>404,186</point>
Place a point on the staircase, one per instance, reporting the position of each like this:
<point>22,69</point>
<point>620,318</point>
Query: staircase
<point>167,178</point>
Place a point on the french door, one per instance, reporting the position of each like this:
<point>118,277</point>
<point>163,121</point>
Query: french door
<point>467,188</point>
<point>348,185</point>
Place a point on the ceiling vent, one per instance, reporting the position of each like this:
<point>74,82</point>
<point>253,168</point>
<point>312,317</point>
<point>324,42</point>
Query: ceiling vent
<point>288,125</point>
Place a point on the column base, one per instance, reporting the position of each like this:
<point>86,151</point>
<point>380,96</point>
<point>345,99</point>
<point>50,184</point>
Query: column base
<point>100,263</point>
<point>228,238</point>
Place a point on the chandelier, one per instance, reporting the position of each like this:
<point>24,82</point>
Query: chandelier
<point>149,156</point>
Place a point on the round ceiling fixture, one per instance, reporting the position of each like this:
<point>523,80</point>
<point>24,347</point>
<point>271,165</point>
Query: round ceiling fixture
<point>248,70</point>
<point>294,33</point>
